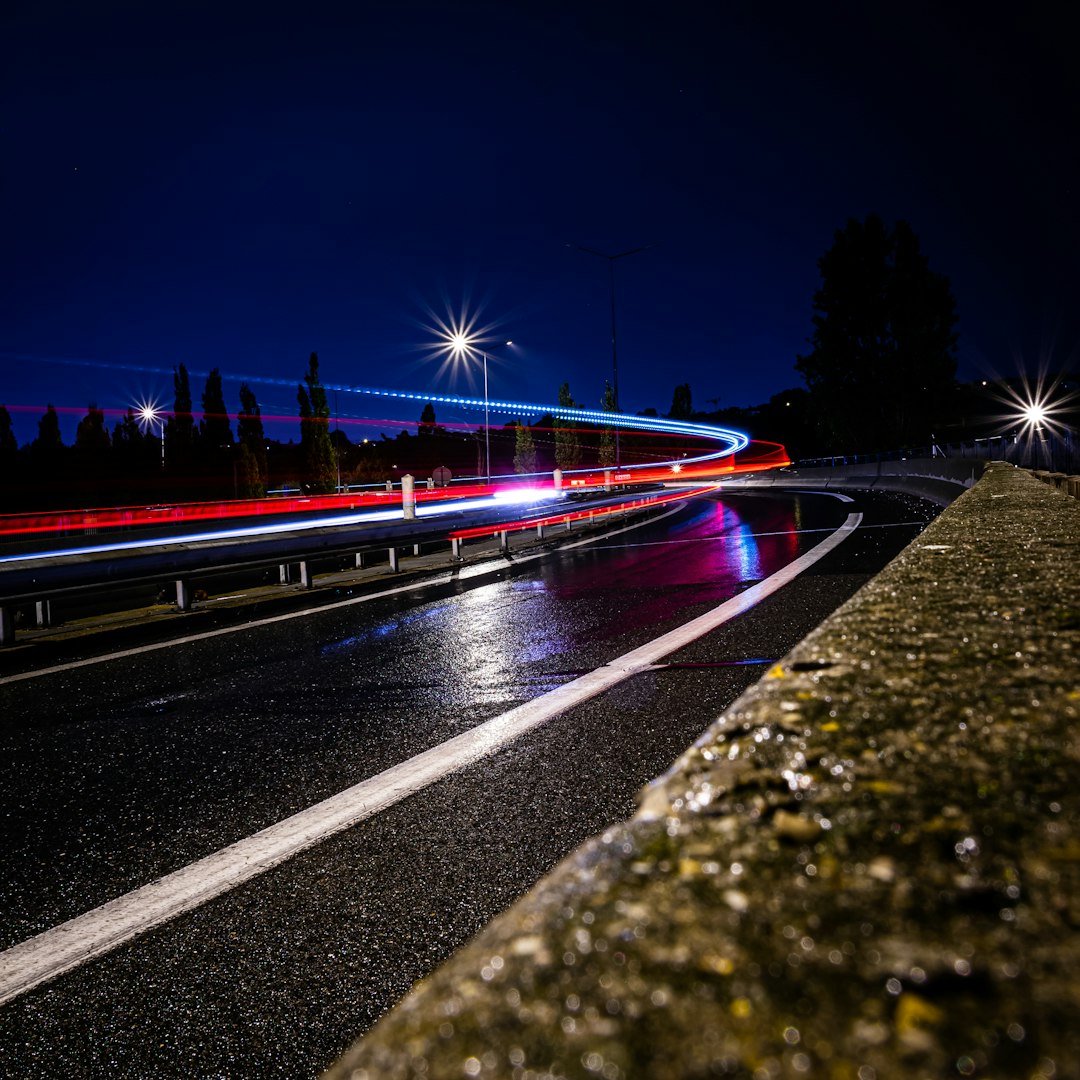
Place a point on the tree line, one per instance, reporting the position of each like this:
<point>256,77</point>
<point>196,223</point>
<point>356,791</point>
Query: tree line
<point>879,375</point>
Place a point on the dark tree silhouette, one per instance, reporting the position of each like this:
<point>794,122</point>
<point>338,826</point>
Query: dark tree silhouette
<point>91,436</point>
<point>883,358</point>
<point>681,406</point>
<point>251,471</point>
<point>10,494</point>
<point>215,442</point>
<point>316,451</point>
<point>180,435</point>
<point>90,457</point>
<point>48,460</point>
<point>567,442</point>
<point>135,472</point>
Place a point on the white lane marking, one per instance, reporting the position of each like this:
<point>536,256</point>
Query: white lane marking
<point>737,489</point>
<point>740,535</point>
<point>71,944</point>
<point>492,566</point>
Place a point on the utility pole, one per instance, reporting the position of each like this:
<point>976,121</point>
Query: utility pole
<point>614,349</point>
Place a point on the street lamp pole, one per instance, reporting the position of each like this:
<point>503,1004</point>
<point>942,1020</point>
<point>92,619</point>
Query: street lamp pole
<point>460,344</point>
<point>487,424</point>
<point>149,414</point>
<point>614,350</point>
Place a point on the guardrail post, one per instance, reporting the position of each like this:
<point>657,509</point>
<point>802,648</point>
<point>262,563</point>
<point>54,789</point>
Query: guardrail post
<point>284,574</point>
<point>389,485</point>
<point>557,476</point>
<point>394,562</point>
<point>408,496</point>
<point>183,594</point>
<point>359,560</point>
<point>7,626</point>
<point>455,547</point>
<point>306,576</point>
<point>540,532</point>
<point>43,612</point>
<point>504,541</point>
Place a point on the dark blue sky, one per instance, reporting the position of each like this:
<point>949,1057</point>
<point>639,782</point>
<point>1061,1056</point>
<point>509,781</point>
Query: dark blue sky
<point>235,186</point>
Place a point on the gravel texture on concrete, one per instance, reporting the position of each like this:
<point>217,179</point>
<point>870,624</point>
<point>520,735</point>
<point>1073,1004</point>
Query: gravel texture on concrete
<point>868,867</point>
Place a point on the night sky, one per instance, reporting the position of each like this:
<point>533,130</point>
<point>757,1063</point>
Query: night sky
<point>236,186</point>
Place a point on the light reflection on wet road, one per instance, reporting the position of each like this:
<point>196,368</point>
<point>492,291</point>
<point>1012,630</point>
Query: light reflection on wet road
<point>115,774</point>
<point>141,765</point>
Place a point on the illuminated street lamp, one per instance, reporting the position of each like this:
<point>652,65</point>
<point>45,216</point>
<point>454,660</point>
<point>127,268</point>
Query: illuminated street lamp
<point>463,345</point>
<point>150,415</point>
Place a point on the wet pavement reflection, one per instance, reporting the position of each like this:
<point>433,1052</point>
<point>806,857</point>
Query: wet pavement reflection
<point>116,774</point>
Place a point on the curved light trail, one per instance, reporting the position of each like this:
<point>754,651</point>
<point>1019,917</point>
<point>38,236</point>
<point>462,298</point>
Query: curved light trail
<point>731,441</point>
<point>707,461</point>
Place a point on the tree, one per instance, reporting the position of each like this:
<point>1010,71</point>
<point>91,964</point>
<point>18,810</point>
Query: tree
<point>91,436</point>
<point>567,445</point>
<point>9,456</point>
<point>91,451</point>
<point>180,430</point>
<point>48,456</point>
<point>883,358</point>
<point>681,407</point>
<point>316,451</point>
<point>136,460</point>
<point>427,421</point>
<point>215,442</point>
<point>525,459</point>
<point>251,469</point>
<point>607,434</point>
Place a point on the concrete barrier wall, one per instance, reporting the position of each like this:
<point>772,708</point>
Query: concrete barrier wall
<point>940,480</point>
<point>868,867</point>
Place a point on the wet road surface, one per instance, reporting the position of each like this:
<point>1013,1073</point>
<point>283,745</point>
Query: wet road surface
<point>115,774</point>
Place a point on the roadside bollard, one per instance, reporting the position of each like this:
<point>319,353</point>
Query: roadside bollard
<point>408,496</point>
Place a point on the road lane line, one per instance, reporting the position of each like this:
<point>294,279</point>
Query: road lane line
<point>491,566</point>
<point>69,945</point>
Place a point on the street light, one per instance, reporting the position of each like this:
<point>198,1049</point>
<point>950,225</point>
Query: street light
<point>614,353</point>
<point>150,415</point>
<point>463,345</point>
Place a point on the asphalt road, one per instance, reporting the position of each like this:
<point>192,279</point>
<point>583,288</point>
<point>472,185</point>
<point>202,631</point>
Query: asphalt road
<point>116,773</point>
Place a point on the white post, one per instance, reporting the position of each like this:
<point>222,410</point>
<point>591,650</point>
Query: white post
<point>504,541</point>
<point>539,532</point>
<point>283,573</point>
<point>455,547</point>
<point>359,560</point>
<point>557,475</point>
<point>183,594</point>
<point>408,496</point>
<point>607,479</point>
<point>43,612</point>
<point>394,562</point>
<point>306,577</point>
